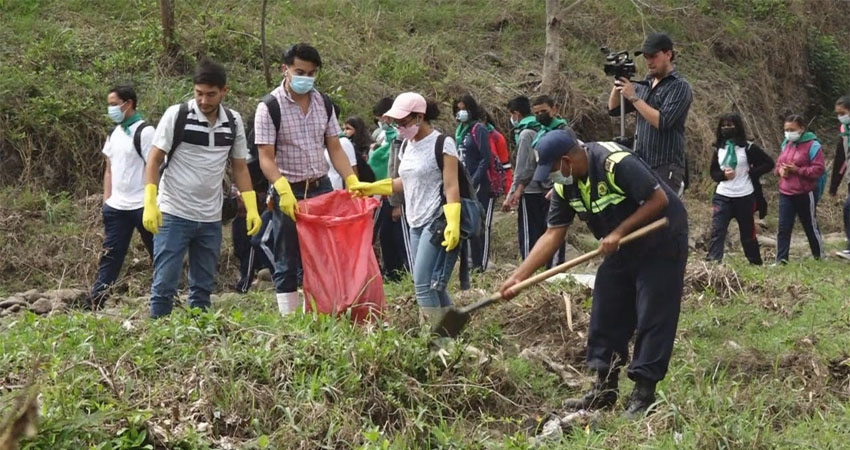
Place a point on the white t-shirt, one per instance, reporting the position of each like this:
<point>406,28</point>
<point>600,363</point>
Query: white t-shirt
<point>741,185</point>
<point>422,179</point>
<point>336,180</point>
<point>191,185</point>
<point>127,168</point>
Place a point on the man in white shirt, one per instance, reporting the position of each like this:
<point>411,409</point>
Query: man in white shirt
<point>126,150</point>
<point>199,137</point>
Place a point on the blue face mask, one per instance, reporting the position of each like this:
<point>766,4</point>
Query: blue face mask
<point>115,114</point>
<point>301,84</point>
<point>462,115</point>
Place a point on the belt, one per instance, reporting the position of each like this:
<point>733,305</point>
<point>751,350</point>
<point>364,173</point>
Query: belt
<point>307,184</point>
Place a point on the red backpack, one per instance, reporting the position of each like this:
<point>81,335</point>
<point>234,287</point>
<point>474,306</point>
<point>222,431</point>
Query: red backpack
<point>500,173</point>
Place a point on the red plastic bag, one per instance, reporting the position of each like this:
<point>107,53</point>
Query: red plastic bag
<point>340,269</point>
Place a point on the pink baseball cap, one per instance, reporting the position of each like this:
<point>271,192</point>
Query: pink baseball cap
<point>406,104</point>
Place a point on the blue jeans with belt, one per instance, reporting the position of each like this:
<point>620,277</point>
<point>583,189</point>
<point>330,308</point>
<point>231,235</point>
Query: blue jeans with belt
<point>176,236</point>
<point>432,268</point>
<point>287,253</point>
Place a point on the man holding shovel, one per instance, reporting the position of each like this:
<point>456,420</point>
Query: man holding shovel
<point>639,286</point>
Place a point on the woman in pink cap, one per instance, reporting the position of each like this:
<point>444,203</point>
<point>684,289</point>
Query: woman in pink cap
<point>428,178</point>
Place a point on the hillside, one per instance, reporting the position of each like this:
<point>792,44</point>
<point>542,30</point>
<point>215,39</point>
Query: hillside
<point>761,359</point>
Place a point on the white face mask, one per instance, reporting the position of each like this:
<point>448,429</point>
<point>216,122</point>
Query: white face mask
<point>792,136</point>
<point>559,178</point>
<point>844,119</point>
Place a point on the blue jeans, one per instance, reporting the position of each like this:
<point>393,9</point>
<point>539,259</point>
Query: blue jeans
<point>287,253</point>
<point>432,269</point>
<point>118,226</point>
<point>176,235</point>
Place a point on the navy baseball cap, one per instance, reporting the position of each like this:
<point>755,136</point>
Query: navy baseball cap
<point>552,146</point>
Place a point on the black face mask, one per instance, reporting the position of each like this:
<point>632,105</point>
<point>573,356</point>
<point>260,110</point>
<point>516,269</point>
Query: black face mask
<point>544,119</point>
<point>728,132</point>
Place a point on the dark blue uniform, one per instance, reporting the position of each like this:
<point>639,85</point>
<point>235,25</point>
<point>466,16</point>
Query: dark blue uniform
<point>638,288</point>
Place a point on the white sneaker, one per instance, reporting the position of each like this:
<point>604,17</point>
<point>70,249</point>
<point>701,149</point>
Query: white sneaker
<point>843,254</point>
<point>288,303</point>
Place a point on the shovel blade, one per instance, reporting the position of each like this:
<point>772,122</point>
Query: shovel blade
<point>451,324</point>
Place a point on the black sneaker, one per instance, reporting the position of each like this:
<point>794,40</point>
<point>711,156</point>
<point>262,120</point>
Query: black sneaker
<point>641,400</point>
<point>603,395</point>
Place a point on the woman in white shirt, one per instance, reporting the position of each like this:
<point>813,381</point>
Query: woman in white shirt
<point>429,194</point>
<point>736,165</point>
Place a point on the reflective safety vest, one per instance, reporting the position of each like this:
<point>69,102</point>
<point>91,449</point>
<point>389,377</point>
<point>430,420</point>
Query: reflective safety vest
<point>608,193</point>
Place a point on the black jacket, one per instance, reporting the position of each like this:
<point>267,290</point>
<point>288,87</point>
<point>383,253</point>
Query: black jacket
<point>760,164</point>
<point>838,167</point>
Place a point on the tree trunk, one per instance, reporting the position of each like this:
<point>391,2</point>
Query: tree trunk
<point>263,43</point>
<point>169,42</point>
<point>552,54</point>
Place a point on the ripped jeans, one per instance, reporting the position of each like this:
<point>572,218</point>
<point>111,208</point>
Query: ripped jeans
<point>432,269</point>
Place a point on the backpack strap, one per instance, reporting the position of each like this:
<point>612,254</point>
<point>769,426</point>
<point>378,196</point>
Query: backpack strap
<point>231,123</point>
<point>463,182</point>
<point>329,107</point>
<point>177,135</point>
<point>137,139</point>
<point>274,111</point>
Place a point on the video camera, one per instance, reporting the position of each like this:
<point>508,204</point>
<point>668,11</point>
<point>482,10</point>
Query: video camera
<point>618,64</point>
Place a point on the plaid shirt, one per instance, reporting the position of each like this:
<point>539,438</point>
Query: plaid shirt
<point>672,98</point>
<point>300,143</point>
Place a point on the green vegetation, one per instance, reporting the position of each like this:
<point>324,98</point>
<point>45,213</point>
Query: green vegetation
<point>761,359</point>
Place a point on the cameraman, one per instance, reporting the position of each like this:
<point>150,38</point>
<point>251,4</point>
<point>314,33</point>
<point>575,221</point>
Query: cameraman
<point>662,101</point>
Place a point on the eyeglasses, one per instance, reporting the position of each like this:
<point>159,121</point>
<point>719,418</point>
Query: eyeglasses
<point>407,121</point>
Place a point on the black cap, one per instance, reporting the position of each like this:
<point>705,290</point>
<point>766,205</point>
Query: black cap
<point>654,43</point>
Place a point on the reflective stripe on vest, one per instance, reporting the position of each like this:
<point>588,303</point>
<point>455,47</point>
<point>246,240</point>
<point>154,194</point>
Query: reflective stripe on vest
<point>610,198</point>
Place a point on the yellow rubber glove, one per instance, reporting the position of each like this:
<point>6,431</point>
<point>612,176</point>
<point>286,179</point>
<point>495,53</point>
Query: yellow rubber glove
<point>151,216</point>
<point>361,189</point>
<point>288,204</point>
<point>252,219</point>
<point>351,180</point>
<point>451,234</point>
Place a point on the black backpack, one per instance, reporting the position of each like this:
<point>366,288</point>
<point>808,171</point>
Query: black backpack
<point>229,207</point>
<point>137,139</point>
<point>257,177</point>
<point>463,179</point>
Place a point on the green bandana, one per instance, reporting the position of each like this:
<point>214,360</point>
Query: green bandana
<point>129,121</point>
<point>461,132</point>
<point>525,123</point>
<point>379,159</point>
<point>731,158</point>
<point>557,122</point>
<point>846,134</point>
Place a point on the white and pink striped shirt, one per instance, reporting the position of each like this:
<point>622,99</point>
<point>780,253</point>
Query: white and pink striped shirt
<point>300,143</point>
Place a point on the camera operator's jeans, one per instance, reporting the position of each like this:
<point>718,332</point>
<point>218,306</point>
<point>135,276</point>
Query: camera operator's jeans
<point>432,269</point>
<point>176,235</point>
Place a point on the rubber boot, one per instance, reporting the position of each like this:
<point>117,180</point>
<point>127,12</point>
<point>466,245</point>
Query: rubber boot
<point>428,315</point>
<point>602,395</point>
<point>641,400</point>
<point>288,303</point>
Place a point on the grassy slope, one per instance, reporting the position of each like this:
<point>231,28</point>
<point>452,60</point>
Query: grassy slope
<point>762,367</point>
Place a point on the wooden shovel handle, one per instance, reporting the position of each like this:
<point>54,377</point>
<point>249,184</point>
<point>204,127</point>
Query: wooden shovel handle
<point>634,235</point>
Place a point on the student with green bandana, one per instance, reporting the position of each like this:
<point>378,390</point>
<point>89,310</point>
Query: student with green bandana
<point>126,150</point>
<point>527,196</point>
<point>390,225</point>
<point>736,165</point>
<point>473,141</point>
<point>546,115</point>
<point>799,167</point>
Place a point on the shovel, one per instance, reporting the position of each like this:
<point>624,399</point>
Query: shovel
<point>451,324</point>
